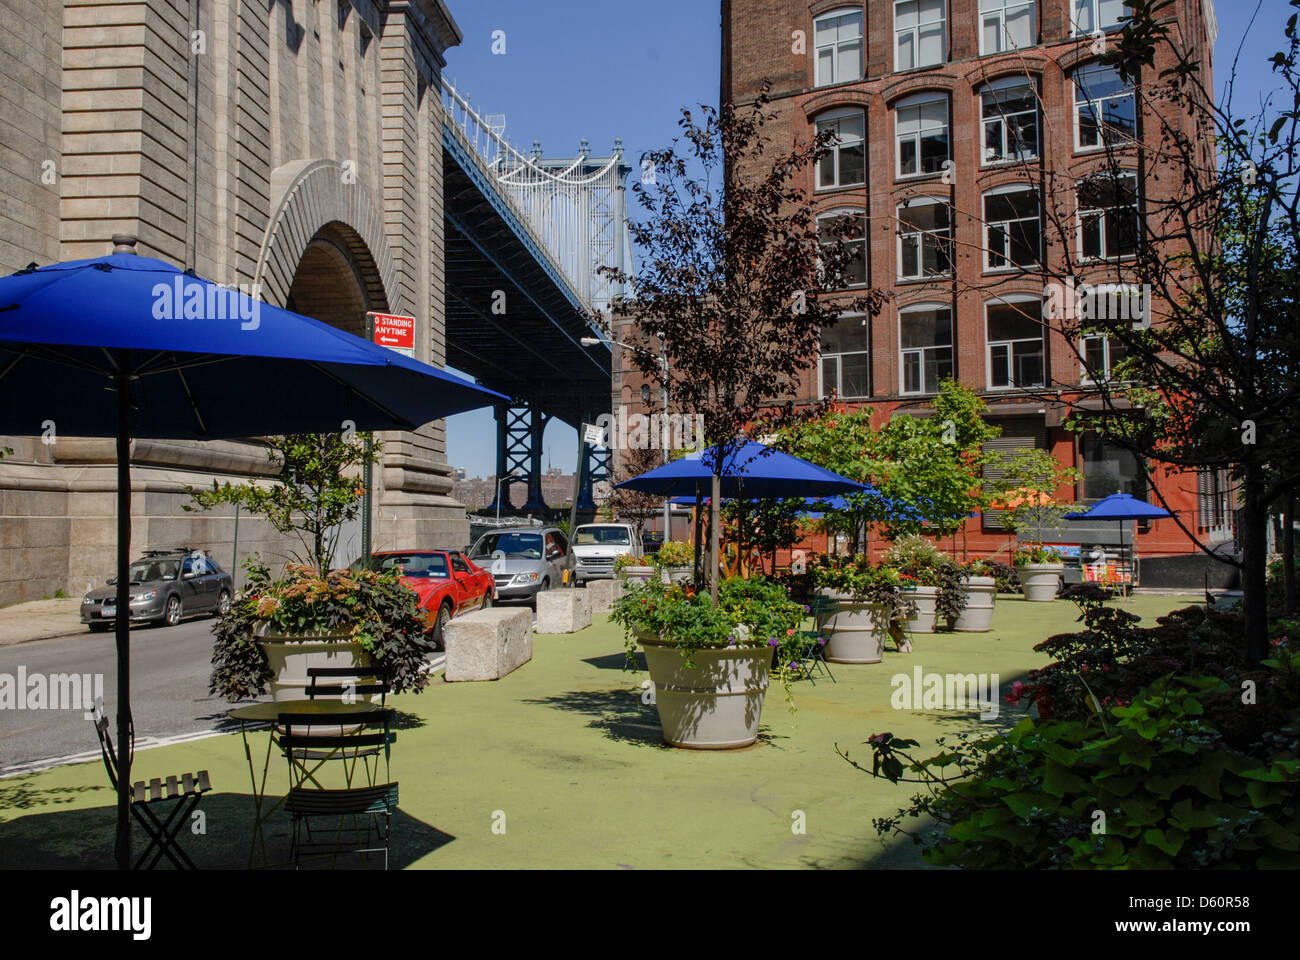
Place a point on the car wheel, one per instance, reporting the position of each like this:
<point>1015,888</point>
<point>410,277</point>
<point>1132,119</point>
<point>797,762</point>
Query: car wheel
<point>99,627</point>
<point>487,600</point>
<point>223,604</point>
<point>172,612</point>
<point>440,626</point>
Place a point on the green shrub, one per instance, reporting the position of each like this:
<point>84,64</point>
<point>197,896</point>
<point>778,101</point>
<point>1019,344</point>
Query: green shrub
<point>675,553</point>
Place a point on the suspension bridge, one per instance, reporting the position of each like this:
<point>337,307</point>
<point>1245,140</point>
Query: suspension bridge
<point>525,239</point>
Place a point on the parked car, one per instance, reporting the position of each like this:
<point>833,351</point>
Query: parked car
<point>446,582</point>
<point>523,561</point>
<point>166,585</point>
<point>597,545</point>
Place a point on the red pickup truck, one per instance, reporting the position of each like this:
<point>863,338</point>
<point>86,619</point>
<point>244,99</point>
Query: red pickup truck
<point>446,582</point>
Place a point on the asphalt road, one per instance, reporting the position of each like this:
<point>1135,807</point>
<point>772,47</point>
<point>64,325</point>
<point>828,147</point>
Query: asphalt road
<point>169,689</point>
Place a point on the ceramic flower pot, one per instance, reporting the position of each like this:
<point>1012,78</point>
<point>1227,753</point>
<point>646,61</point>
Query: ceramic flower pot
<point>981,594</point>
<point>855,632</point>
<point>926,600</point>
<point>677,574</point>
<point>290,655</point>
<point>635,574</point>
<point>715,704</point>
<point>1040,580</point>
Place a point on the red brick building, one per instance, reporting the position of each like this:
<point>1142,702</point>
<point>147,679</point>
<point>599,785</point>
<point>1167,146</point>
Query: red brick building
<point>964,128</point>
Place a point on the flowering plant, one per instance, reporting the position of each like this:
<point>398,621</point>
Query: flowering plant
<point>856,577</point>
<point>1036,553</point>
<point>372,609</point>
<point>979,567</point>
<point>674,553</point>
<point>749,613</point>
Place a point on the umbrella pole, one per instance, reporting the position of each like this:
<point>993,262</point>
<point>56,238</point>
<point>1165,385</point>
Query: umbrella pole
<point>123,621</point>
<point>697,518</point>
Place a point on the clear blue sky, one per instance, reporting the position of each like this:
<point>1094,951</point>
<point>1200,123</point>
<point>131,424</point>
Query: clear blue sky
<point>601,69</point>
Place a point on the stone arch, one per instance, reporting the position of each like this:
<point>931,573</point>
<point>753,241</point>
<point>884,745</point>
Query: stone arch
<point>321,221</point>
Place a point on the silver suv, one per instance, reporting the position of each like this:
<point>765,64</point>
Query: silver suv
<point>523,561</point>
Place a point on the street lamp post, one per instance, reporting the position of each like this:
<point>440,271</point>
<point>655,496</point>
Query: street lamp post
<point>663,426</point>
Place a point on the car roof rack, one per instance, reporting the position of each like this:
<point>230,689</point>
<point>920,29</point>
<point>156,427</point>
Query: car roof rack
<point>172,551</point>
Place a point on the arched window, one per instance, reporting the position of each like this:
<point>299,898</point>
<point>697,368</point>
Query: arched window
<point>837,47</point>
<point>1109,224</point>
<point>1012,231</point>
<point>1104,108</point>
<point>845,362</point>
<point>924,238</point>
<point>921,134</point>
<point>846,163</point>
<point>856,271</point>
<point>1007,25</point>
<point>1009,113</point>
<point>925,346</point>
<point>1015,342</point>
<point>920,36</point>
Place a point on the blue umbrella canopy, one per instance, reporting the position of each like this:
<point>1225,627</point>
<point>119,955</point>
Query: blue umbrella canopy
<point>124,346</point>
<point>204,361</point>
<point>751,470</point>
<point>1120,506</point>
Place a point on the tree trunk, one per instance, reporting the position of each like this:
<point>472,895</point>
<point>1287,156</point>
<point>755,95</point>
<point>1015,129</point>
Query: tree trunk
<point>714,537</point>
<point>1252,531</point>
<point>1288,555</point>
<point>697,576</point>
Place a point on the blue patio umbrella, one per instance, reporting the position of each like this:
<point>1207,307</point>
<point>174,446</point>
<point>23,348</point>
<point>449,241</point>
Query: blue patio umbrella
<point>1121,507</point>
<point>751,471</point>
<point>127,346</point>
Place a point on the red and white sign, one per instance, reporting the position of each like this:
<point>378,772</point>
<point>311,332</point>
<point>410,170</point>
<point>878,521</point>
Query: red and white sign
<point>394,331</point>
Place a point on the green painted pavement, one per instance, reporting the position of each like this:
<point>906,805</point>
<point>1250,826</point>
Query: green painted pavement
<point>561,765</point>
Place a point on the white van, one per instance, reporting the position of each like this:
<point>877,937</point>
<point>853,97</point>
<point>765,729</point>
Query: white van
<point>597,545</point>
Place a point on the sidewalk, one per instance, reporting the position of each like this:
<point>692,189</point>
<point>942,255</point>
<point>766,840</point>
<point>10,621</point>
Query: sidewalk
<point>39,619</point>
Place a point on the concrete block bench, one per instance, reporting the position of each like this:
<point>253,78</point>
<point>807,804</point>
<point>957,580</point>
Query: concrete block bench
<point>563,610</point>
<point>488,644</point>
<point>603,594</point>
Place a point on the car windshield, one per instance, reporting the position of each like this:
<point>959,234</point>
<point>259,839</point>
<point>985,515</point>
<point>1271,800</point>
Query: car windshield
<point>527,545</point>
<point>143,570</point>
<point>609,536</point>
<point>428,566</point>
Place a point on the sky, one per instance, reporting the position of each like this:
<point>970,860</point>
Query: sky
<point>600,69</point>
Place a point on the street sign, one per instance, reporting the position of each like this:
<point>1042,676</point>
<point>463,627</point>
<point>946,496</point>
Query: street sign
<point>593,435</point>
<point>394,331</point>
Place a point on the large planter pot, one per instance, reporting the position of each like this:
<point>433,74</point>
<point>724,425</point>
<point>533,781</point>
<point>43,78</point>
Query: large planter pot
<point>1040,580</point>
<point>926,600</point>
<point>981,593</point>
<point>635,574</point>
<point>677,574</point>
<point>290,655</point>
<point>714,705</point>
<point>856,630</point>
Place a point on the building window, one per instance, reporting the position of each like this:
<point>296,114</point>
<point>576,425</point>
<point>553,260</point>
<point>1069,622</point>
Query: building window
<point>925,338</point>
<point>1100,355</point>
<point>1108,469</point>
<point>1015,343</point>
<point>845,362</point>
<point>1215,502</point>
<point>1007,25</point>
<point>1092,15</point>
<point>855,272</point>
<point>1009,109</point>
<point>921,125</point>
<point>845,165</point>
<point>1108,216</point>
<point>924,238</point>
<point>1011,227</point>
<point>919,39</point>
<point>838,47</point>
<point>1105,112</point>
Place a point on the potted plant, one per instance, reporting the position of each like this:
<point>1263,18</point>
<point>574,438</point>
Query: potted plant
<point>674,560</point>
<point>632,569</point>
<point>868,600</point>
<point>1039,568</point>
<point>709,662</point>
<point>980,586</point>
<point>933,581</point>
<point>276,629</point>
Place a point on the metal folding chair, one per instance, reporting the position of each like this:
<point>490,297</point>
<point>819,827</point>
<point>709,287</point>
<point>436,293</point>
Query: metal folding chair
<point>812,658</point>
<point>183,793</point>
<point>352,685</point>
<point>348,735</point>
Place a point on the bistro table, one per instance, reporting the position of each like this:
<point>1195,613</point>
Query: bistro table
<point>268,712</point>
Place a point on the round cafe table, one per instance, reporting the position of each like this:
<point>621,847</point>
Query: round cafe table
<point>268,712</point>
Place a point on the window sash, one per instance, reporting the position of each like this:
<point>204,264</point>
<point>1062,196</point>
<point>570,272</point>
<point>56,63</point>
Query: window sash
<point>924,251</point>
<point>924,367</point>
<point>1010,135</point>
<point>996,36</point>
<point>847,373</point>
<point>846,163</point>
<point>837,44</point>
<point>1012,241</point>
<point>1016,363</point>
